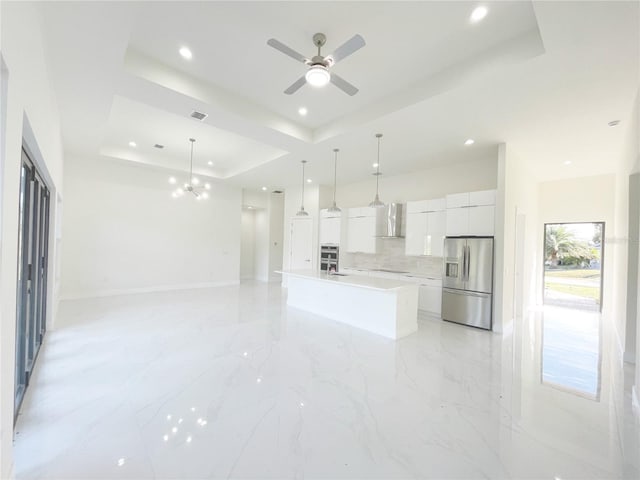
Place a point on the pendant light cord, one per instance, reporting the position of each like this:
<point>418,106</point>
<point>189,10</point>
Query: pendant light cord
<point>378,167</point>
<point>302,200</point>
<point>192,140</point>
<point>335,174</point>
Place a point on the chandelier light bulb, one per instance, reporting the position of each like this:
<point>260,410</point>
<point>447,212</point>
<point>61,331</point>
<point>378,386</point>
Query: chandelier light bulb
<point>172,180</point>
<point>207,186</point>
<point>195,181</point>
<point>317,76</point>
<point>204,195</point>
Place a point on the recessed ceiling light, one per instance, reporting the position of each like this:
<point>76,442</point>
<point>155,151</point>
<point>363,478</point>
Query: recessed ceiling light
<point>133,144</point>
<point>209,162</point>
<point>302,111</point>
<point>375,165</point>
<point>469,141</point>
<point>264,189</point>
<point>250,207</point>
<point>478,14</point>
<point>186,53</point>
<point>567,162</point>
<point>613,123</point>
<point>309,180</point>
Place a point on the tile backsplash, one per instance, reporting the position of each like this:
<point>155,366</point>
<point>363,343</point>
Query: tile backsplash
<point>391,256</point>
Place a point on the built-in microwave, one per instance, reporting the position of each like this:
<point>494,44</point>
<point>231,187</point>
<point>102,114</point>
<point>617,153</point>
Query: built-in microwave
<point>329,256</point>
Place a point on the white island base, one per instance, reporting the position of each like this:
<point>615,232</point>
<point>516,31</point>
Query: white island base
<point>382,306</point>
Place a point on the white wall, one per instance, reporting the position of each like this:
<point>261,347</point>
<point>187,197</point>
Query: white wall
<point>247,244</point>
<point>422,185</point>
<point>517,196</point>
<point>124,233</point>
<point>29,101</point>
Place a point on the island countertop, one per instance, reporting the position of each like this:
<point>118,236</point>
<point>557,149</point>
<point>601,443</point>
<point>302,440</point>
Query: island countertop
<point>351,280</point>
<point>383,306</point>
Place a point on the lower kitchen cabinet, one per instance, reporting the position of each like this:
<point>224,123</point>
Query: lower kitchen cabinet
<point>430,289</point>
<point>430,299</point>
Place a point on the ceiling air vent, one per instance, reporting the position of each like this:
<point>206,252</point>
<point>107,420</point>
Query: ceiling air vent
<point>157,145</point>
<point>199,115</point>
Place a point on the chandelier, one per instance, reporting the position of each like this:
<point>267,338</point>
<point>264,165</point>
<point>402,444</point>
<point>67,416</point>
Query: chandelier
<point>193,184</point>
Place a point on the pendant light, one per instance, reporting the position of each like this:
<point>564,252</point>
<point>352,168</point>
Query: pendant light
<point>191,184</point>
<point>301,212</point>
<point>376,201</point>
<point>334,208</point>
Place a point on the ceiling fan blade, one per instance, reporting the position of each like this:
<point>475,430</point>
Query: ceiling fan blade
<point>295,86</point>
<point>272,42</point>
<point>347,48</point>
<point>343,85</point>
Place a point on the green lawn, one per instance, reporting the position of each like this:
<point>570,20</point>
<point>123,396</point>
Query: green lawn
<point>573,273</point>
<point>579,290</point>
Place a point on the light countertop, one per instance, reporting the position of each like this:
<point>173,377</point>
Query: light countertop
<point>403,274</point>
<point>352,280</point>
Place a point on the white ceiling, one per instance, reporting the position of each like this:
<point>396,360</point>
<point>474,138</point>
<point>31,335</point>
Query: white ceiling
<point>545,77</point>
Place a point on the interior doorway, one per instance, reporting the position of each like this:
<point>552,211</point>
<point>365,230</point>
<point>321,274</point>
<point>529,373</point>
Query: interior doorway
<point>573,259</point>
<point>301,244</point>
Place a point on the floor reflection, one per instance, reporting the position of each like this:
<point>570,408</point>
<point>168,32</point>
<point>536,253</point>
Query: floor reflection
<point>571,351</point>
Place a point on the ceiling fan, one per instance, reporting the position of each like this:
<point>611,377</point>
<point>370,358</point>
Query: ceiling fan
<point>318,74</point>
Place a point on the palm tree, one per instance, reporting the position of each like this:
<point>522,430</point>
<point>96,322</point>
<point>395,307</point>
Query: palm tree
<point>561,243</point>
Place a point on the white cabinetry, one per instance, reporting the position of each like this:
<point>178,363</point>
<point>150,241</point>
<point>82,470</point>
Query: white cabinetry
<point>430,296</point>
<point>330,227</point>
<point>361,230</point>
<point>471,213</point>
<point>430,289</point>
<point>425,230</point>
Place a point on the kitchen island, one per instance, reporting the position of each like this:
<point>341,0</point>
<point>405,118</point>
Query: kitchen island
<point>383,306</point>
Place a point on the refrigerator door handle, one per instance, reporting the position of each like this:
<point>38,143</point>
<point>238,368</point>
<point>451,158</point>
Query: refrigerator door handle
<point>463,272</point>
<point>467,254</point>
<point>466,293</point>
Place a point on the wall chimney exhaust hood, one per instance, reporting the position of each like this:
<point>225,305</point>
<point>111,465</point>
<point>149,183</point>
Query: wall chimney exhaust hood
<point>389,221</point>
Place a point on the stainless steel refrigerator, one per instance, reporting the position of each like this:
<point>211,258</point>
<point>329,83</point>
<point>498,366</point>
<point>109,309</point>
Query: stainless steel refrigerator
<point>467,283</point>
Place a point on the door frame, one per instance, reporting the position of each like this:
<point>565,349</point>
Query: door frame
<point>602,258</point>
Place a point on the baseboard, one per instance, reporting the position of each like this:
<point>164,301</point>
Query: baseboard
<point>155,289</point>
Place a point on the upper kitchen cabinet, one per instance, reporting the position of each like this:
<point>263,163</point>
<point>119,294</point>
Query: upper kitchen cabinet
<point>425,227</point>
<point>361,230</point>
<point>330,227</point>
<point>471,213</point>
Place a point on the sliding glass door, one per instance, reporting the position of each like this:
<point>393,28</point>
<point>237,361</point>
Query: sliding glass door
<point>32,273</point>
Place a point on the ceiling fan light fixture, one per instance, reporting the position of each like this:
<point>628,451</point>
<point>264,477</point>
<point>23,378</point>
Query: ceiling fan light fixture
<point>318,76</point>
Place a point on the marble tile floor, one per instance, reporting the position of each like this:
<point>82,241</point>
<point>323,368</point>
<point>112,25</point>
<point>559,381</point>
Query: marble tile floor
<point>229,383</point>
